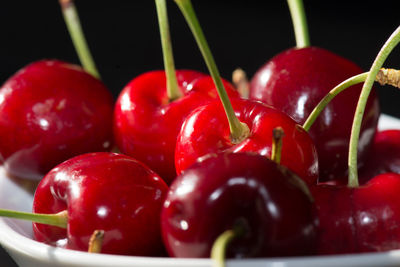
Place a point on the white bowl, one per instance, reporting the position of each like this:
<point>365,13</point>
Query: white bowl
<point>16,238</point>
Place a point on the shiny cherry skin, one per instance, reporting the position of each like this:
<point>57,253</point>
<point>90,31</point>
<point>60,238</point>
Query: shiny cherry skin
<point>146,124</point>
<point>206,130</point>
<point>367,217</point>
<point>295,81</point>
<point>272,204</point>
<point>51,111</point>
<point>335,229</point>
<point>384,156</point>
<point>103,191</point>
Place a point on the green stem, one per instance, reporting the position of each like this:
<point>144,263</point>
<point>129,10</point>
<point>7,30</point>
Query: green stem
<point>277,136</point>
<point>387,48</point>
<point>334,92</point>
<point>238,130</point>
<point>218,251</point>
<point>219,248</point>
<point>75,30</point>
<point>173,91</point>
<point>385,76</point>
<point>299,20</point>
<point>59,219</point>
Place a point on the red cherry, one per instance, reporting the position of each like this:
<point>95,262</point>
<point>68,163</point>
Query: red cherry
<point>296,80</point>
<point>147,124</point>
<point>51,111</point>
<point>206,130</point>
<point>102,191</point>
<point>335,213</point>
<point>384,155</point>
<point>363,219</point>
<point>212,196</point>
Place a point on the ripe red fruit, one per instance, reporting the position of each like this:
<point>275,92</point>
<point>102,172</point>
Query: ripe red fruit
<point>102,191</point>
<point>147,124</point>
<point>363,219</point>
<point>51,111</point>
<point>266,199</point>
<point>296,80</point>
<point>335,213</point>
<point>206,130</point>
<point>384,156</point>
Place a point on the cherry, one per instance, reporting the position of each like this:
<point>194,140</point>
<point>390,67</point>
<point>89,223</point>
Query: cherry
<point>384,76</point>
<point>386,144</point>
<point>295,80</point>
<point>377,214</point>
<point>298,151</point>
<point>52,111</point>
<point>336,233</point>
<point>150,110</point>
<point>270,203</point>
<point>147,124</point>
<point>102,191</point>
<point>367,217</point>
<point>239,126</point>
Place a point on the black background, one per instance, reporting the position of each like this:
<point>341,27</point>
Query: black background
<point>124,37</point>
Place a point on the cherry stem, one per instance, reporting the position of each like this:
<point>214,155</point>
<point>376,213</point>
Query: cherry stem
<point>218,251</point>
<point>58,219</point>
<point>239,79</point>
<point>96,241</point>
<point>389,76</point>
<point>239,130</point>
<point>71,19</point>
<point>387,48</point>
<point>277,136</point>
<point>219,248</point>
<point>299,20</point>
<point>173,91</point>
<point>331,95</point>
<point>384,76</point>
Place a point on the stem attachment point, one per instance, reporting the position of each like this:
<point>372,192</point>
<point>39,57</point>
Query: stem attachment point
<point>277,136</point>
<point>237,129</point>
<point>242,131</point>
<point>96,241</point>
<point>173,91</point>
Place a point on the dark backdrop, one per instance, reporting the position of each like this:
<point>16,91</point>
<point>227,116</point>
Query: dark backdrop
<point>124,38</point>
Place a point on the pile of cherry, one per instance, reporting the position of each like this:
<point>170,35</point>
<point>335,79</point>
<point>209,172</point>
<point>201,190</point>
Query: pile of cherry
<point>186,177</point>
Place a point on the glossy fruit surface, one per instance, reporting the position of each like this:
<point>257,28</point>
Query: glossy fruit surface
<point>103,191</point>
<point>214,195</point>
<point>363,219</point>
<point>384,156</point>
<point>51,111</point>
<point>206,130</point>
<point>295,81</point>
<point>336,233</point>
<point>147,123</point>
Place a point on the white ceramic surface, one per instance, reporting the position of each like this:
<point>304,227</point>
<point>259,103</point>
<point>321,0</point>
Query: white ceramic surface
<point>15,237</point>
